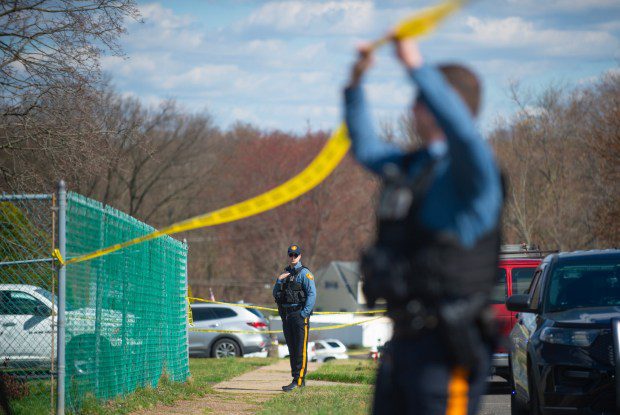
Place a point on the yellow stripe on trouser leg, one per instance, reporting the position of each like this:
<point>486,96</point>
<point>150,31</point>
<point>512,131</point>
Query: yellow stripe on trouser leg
<point>304,357</point>
<point>458,391</point>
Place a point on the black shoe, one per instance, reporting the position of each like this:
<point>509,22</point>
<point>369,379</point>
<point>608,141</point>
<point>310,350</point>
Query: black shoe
<point>293,385</point>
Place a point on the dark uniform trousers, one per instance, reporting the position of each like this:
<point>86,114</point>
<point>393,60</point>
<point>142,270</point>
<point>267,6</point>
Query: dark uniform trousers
<point>414,379</point>
<point>295,329</point>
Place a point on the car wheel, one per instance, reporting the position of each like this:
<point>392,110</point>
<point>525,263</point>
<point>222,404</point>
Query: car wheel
<point>225,348</point>
<point>327,359</point>
<point>81,364</point>
<point>81,360</point>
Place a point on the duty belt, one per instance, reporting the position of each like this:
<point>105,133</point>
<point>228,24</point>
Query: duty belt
<point>291,309</point>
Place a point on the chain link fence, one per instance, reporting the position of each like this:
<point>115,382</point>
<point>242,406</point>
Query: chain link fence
<point>27,325</point>
<point>124,319</point>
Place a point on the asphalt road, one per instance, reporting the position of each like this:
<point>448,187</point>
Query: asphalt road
<point>497,399</point>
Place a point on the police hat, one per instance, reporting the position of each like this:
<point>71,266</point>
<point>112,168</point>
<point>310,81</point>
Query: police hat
<point>294,249</point>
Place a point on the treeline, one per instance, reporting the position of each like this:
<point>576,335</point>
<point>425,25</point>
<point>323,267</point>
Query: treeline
<point>559,154</point>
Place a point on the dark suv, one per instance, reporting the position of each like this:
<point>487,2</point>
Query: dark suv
<point>564,347</point>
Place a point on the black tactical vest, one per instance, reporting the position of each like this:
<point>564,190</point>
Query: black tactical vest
<point>409,261</point>
<point>291,291</point>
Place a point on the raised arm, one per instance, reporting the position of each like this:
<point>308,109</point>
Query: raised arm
<point>368,148</point>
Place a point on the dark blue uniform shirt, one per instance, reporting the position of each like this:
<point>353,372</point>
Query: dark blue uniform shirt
<point>465,196</point>
<point>307,284</point>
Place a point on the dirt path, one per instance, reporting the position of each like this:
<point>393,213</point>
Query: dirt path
<point>239,396</point>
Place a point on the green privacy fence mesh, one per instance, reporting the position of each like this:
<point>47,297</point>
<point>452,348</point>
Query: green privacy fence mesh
<point>126,316</point>
<point>126,319</point>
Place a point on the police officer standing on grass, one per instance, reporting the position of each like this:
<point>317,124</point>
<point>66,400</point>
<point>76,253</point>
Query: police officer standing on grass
<point>295,294</point>
<point>435,257</point>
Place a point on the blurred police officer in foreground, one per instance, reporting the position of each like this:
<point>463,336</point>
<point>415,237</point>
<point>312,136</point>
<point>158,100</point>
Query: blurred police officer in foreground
<point>435,256</point>
<point>295,295</point>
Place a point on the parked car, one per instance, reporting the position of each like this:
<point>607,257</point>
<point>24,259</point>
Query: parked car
<point>329,349</point>
<point>27,317</point>
<point>283,351</point>
<point>226,317</point>
<point>516,267</point>
<point>562,353</point>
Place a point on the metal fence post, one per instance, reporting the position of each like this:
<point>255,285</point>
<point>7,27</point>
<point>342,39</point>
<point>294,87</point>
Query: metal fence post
<point>62,288</point>
<point>188,308</point>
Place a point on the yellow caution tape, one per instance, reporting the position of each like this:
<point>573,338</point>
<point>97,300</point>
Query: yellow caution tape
<point>56,254</point>
<point>334,327</point>
<point>202,300</point>
<point>323,164</point>
<point>421,23</point>
<point>190,316</point>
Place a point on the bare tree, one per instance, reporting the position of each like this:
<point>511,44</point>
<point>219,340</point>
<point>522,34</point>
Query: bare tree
<point>154,158</point>
<point>60,139</point>
<point>560,155</point>
<point>49,45</point>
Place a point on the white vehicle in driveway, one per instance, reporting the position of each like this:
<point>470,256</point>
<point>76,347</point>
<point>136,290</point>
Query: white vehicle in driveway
<point>226,318</point>
<point>27,316</point>
<point>321,350</point>
<point>329,349</point>
<point>283,352</point>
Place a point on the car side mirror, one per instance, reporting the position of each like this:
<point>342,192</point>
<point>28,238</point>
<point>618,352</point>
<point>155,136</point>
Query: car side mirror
<point>519,303</point>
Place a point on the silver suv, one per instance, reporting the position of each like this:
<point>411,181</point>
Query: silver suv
<point>226,317</point>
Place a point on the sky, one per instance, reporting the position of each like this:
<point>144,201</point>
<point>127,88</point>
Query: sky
<point>283,64</point>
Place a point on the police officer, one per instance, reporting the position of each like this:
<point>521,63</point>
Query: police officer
<point>295,294</point>
<point>435,256</point>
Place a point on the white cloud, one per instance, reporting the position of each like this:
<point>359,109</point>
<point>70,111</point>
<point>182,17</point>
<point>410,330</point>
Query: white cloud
<point>515,32</point>
<point>389,94</point>
<point>163,28</point>
<point>164,18</point>
<point>329,17</point>
<point>204,76</point>
<point>564,5</point>
<point>140,64</point>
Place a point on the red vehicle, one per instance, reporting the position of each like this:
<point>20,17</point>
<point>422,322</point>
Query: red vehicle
<point>516,269</point>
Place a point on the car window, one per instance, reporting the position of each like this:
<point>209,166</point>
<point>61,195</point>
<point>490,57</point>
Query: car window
<point>223,312</point>
<point>318,346</point>
<point>534,289</point>
<point>202,314</point>
<point>18,303</point>
<point>256,312</point>
<point>53,298</point>
<point>521,279</point>
<point>579,284</point>
<point>333,344</point>
<point>500,291</point>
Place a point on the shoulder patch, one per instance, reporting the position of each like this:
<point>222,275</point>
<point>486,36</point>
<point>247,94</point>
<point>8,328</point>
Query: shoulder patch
<point>310,276</point>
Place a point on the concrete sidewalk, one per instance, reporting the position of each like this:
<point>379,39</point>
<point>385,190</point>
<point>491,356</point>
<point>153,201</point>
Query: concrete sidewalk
<point>242,395</point>
<point>266,380</point>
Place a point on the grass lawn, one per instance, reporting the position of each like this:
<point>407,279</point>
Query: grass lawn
<point>337,399</point>
<point>319,400</point>
<point>204,374</point>
<point>347,371</point>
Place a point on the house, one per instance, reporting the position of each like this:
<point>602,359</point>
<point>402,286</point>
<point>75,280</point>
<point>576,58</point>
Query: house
<point>339,287</point>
